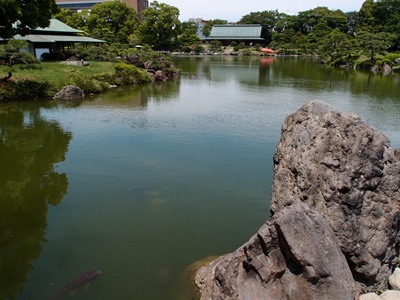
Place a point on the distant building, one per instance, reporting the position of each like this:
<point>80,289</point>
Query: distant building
<point>77,5</point>
<point>247,33</point>
<point>200,25</point>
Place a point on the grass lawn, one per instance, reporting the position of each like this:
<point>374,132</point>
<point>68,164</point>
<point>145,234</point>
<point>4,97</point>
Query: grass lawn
<point>55,73</point>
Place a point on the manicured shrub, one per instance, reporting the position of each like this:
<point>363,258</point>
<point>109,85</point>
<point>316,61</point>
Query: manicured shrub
<point>391,57</point>
<point>53,56</point>
<point>215,46</point>
<point>89,84</point>
<point>245,52</point>
<point>130,74</point>
<point>257,47</point>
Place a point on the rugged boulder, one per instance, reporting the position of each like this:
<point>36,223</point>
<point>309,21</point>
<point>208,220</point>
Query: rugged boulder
<point>69,92</point>
<point>295,255</point>
<point>335,162</point>
<point>334,225</point>
<point>160,76</point>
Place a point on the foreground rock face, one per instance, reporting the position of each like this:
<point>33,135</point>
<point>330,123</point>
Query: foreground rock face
<point>295,255</point>
<point>335,162</point>
<point>335,216</point>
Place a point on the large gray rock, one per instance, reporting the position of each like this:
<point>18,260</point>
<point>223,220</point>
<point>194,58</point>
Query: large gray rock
<point>335,162</point>
<point>295,255</point>
<point>69,92</point>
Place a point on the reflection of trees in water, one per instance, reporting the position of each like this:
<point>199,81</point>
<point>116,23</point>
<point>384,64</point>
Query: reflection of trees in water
<point>136,96</point>
<point>29,148</point>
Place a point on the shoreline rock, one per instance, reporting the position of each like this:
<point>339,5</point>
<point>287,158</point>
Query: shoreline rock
<point>282,261</point>
<point>334,204</point>
<point>69,92</point>
<point>347,170</point>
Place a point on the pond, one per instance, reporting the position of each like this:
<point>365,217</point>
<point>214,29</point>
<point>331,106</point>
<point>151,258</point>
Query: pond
<point>142,182</point>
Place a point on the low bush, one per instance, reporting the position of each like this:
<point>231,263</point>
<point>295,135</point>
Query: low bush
<point>53,56</point>
<point>24,89</point>
<point>391,57</point>
<point>130,74</point>
<point>245,52</point>
<point>89,84</point>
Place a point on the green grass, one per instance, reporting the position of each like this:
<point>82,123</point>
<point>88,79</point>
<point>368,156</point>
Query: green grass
<point>55,73</point>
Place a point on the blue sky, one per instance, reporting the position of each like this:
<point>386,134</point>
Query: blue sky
<point>233,10</point>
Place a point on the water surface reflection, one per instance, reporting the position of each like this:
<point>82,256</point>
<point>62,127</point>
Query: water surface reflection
<point>30,148</point>
<point>162,175</point>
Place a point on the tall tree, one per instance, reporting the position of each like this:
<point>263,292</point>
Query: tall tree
<point>309,18</point>
<point>112,21</point>
<point>74,19</point>
<point>337,19</point>
<point>160,27</point>
<point>286,21</point>
<point>366,17</point>
<point>267,19</point>
<point>387,15</point>
<point>21,16</point>
<point>375,43</point>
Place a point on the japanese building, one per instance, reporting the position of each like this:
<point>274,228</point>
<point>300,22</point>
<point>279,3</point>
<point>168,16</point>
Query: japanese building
<point>57,37</point>
<point>247,33</point>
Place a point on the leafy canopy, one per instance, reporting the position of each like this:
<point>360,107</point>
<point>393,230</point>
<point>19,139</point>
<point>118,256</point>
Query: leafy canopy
<point>112,21</point>
<point>21,16</point>
<point>160,27</point>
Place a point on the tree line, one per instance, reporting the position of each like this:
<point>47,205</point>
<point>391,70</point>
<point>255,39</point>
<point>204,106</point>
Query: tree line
<point>336,36</point>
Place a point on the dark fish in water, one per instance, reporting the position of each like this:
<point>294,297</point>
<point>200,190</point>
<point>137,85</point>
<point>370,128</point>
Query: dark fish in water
<point>71,287</point>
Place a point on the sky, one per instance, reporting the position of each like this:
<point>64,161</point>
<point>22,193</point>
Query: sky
<point>234,10</point>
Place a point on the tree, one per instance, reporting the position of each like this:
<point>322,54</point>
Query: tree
<point>375,43</point>
<point>160,27</point>
<point>215,46</point>
<point>267,20</point>
<point>309,18</point>
<point>189,40</point>
<point>74,19</point>
<point>10,52</point>
<point>20,17</point>
<point>337,19</point>
<point>285,21</point>
<point>208,26</point>
<point>333,45</point>
<point>189,27</point>
<point>387,16</point>
<point>366,18</point>
<point>285,40</point>
<point>112,21</point>
<point>321,29</point>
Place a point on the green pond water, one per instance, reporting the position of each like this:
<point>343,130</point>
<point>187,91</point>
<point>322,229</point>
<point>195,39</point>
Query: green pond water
<point>142,182</point>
